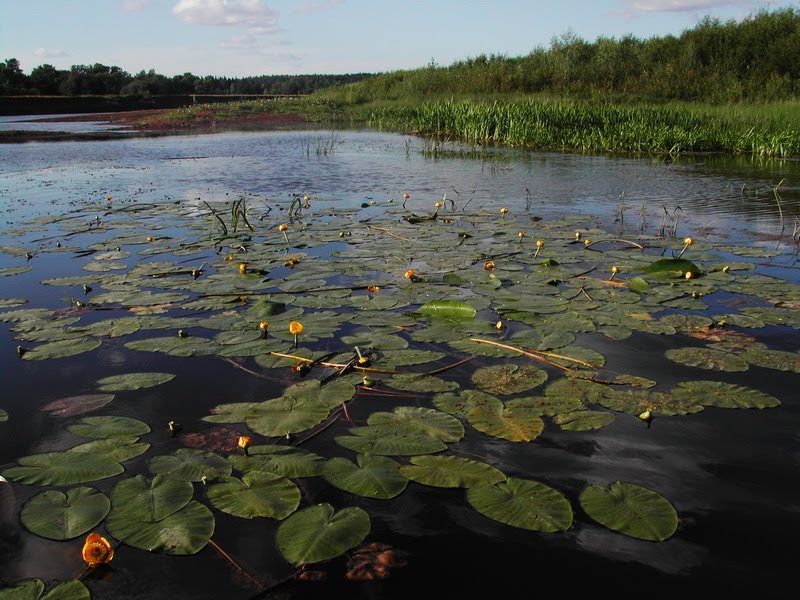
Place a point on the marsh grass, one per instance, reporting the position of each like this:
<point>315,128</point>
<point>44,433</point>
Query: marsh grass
<point>674,128</point>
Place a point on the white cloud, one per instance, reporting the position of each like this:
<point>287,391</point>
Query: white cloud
<point>256,16</point>
<point>45,53</point>
<point>682,5</point>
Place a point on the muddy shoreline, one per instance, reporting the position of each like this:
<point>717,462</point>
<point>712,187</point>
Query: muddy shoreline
<point>149,123</point>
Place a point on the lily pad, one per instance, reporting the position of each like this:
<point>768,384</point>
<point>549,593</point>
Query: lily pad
<point>148,500</point>
<point>32,589</point>
<point>415,382</point>
<point>286,415</point>
<point>184,532</point>
<point>420,420</point>
<point>723,395</point>
<point>707,358</point>
<point>584,420</point>
<point>286,461</point>
<point>118,448</point>
<point>384,442</point>
<point>63,468</point>
<point>188,464</point>
<point>61,349</point>
<point>132,381</point>
<point>512,424</point>
<point>676,267</point>
<point>77,405</point>
<point>447,309</point>
<point>109,427</point>
<point>450,472</point>
<point>59,516</point>
<point>773,359</point>
<point>372,476</point>
<point>320,533</point>
<point>256,494</point>
<point>508,378</point>
<point>631,510</point>
<point>522,503</point>
<point>235,412</point>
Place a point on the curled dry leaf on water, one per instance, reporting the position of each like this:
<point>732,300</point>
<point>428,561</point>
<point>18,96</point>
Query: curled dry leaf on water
<point>373,561</point>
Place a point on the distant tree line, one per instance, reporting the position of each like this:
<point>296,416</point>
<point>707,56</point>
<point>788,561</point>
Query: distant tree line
<point>97,79</point>
<point>757,58</point>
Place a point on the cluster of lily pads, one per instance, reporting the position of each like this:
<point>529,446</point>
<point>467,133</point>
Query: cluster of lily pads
<point>499,327</point>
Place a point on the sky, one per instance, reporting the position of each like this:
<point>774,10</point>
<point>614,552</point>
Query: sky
<point>238,38</point>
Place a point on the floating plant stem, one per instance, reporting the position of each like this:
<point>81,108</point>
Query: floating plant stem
<point>520,351</point>
<point>593,242</point>
<point>388,232</point>
<point>231,560</point>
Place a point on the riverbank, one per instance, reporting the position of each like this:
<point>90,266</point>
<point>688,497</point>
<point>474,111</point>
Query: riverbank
<point>152,123</point>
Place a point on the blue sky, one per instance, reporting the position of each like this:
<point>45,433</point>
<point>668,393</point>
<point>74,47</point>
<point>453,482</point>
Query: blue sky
<point>254,37</point>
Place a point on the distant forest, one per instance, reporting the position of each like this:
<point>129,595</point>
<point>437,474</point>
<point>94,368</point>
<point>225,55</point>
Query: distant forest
<point>97,79</point>
<point>757,58</point>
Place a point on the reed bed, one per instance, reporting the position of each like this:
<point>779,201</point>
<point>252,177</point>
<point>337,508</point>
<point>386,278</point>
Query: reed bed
<point>766,130</point>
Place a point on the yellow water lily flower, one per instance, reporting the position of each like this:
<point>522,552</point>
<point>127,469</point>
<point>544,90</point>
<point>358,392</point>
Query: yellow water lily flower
<point>97,550</point>
<point>296,327</point>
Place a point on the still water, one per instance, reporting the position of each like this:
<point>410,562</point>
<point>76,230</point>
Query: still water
<point>732,475</point>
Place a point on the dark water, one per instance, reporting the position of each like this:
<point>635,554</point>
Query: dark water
<point>732,475</point>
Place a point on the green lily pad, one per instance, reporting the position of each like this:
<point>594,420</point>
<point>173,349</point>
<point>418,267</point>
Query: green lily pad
<point>183,532</point>
<point>394,358</point>
<point>320,533</point>
<point>415,382</point>
<point>522,503</point>
<point>631,510</point>
<point>286,461</point>
<point>450,472</point>
<point>385,442</point>
<point>420,420</point>
<point>132,381</point>
<point>109,427</point>
<point>676,267</point>
<point>635,402</point>
<point>68,590</point>
<point>256,494</point>
<point>638,284</point>
<point>772,359</point>
<point>58,516</point>
<point>512,424</point>
<point>723,395</point>
<point>118,448</point>
<point>461,403</point>
<point>61,349</point>
<point>583,420</point>
<point>447,309</point>
<point>148,500</point>
<point>707,358</point>
<point>235,412</point>
<point>508,378</point>
<point>372,476</point>
<point>286,414</point>
<point>188,464</point>
<point>77,405</point>
<point>63,468</point>
<point>32,589</point>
